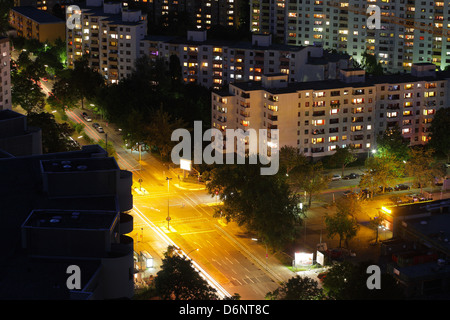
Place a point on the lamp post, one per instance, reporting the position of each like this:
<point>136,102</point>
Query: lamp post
<point>168,215</point>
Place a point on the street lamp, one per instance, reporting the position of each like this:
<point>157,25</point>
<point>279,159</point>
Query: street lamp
<point>168,215</point>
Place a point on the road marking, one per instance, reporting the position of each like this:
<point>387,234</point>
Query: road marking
<point>220,290</point>
<point>195,232</point>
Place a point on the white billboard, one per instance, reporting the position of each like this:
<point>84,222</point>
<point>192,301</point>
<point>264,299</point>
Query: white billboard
<point>303,259</point>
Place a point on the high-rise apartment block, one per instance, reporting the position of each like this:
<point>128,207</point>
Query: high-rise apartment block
<point>319,116</point>
<point>200,13</point>
<point>411,31</point>
<point>5,74</point>
<point>214,63</point>
<point>109,34</point>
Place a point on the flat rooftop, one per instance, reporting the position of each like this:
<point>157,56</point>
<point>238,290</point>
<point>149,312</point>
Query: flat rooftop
<point>71,165</point>
<point>9,114</point>
<point>70,219</point>
<point>40,16</point>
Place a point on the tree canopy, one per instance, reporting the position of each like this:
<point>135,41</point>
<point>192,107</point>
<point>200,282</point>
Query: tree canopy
<point>262,203</point>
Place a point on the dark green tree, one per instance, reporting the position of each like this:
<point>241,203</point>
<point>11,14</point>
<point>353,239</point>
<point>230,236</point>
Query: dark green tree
<point>348,281</point>
<point>343,157</point>
<point>439,138</point>
<point>261,203</point>
<point>392,141</point>
<point>54,135</point>
<point>370,64</point>
<point>309,178</point>
<point>84,81</point>
<point>178,280</point>
<point>297,288</point>
<point>26,93</point>
<point>291,158</point>
<point>343,222</point>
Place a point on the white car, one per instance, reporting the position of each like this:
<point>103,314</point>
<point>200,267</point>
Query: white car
<point>336,177</point>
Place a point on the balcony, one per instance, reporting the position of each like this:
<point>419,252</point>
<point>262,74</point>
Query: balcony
<point>319,131</point>
<point>357,119</point>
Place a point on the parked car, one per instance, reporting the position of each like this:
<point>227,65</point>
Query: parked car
<point>336,177</point>
<point>400,187</point>
<point>100,129</point>
<point>447,164</point>
<point>386,189</point>
<point>86,117</point>
<point>351,176</point>
<point>95,125</point>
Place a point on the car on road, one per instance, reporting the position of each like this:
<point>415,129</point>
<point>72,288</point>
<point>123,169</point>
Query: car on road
<point>401,186</point>
<point>351,176</point>
<point>447,164</point>
<point>95,125</point>
<point>336,177</point>
<point>100,129</point>
<point>86,117</point>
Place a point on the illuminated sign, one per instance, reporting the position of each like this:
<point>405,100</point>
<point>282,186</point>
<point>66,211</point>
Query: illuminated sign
<point>303,259</point>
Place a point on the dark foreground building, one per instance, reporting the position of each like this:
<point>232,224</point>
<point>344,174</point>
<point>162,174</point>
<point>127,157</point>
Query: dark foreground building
<point>61,210</point>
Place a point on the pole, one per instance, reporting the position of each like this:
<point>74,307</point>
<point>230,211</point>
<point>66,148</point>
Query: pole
<point>106,143</point>
<point>168,195</point>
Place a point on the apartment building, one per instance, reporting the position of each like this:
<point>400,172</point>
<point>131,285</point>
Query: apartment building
<point>109,34</point>
<point>5,74</point>
<point>46,5</point>
<point>202,14</point>
<point>319,116</point>
<point>32,23</point>
<point>215,63</point>
<point>60,210</point>
<point>411,31</point>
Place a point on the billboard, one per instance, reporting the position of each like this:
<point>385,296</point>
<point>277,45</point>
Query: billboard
<point>303,259</point>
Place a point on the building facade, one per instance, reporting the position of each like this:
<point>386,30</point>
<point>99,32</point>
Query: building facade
<point>66,210</point>
<point>214,63</point>
<point>109,34</point>
<point>202,14</point>
<point>411,31</point>
<point>32,23</point>
<point>5,74</point>
<point>319,116</point>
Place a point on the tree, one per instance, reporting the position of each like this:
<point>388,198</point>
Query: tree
<point>54,135</point>
<point>178,280</point>
<point>376,222</point>
<point>85,81</point>
<point>348,281</point>
<point>343,222</point>
<point>370,64</point>
<point>159,131</point>
<point>423,167</point>
<point>392,141</point>
<point>291,158</point>
<point>297,288</point>
<point>343,157</point>
<point>382,169</point>
<point>26,93</point>
<point>5,6</point>
<point>309,178</point>
<point>439,137</point>
<point>261,203</point>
